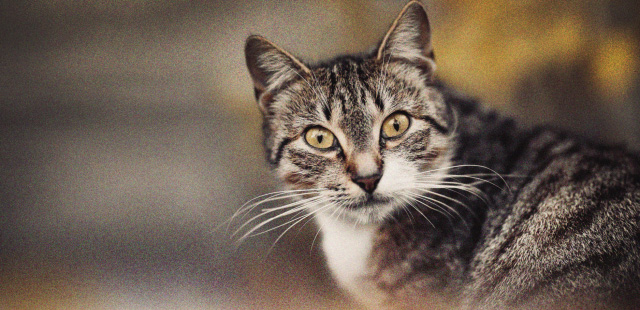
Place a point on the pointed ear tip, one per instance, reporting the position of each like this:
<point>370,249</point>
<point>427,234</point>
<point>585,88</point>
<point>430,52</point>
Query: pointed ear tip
<point>252,41</point>
<point>255,37</point>
<point>254,46</point>
<point>256,42</point>
<point>414,4</point>
<point>419,13</point>
<point>417,6</point>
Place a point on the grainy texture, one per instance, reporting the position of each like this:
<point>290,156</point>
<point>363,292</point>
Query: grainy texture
<point>463,207</point>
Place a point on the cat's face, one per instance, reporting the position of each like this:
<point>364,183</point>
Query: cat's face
<point>359,136</point>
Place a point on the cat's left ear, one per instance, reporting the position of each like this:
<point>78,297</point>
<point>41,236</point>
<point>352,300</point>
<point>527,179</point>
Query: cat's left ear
<point>409,38</point>
<point>270,67</point>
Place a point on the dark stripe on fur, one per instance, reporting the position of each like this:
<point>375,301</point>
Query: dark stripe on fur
<point>441,128</point>
<point>326,110</point>
<point>377,100</point>
<point>280,148</point>
<point>310,163</point>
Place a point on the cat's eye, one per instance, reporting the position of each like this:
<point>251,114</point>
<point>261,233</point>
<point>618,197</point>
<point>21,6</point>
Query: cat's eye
<point>395,125</point>
<point>319,137</point>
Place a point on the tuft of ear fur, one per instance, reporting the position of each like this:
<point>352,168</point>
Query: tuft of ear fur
<point>270,67</point>
<point>409,38</point>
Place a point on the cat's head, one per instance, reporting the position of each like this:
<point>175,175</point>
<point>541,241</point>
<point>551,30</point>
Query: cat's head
<point>363,135</point>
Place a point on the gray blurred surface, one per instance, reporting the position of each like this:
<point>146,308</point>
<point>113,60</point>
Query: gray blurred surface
<point>129,135</point>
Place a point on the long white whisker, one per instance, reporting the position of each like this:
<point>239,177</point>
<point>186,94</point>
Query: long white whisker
<point>296,206</point>
<point>481,180</point>
<point>421,199</point>
<point>449,198</point>
<point>427,199</point>
<point>411,218</point>
<point>300,212</point>
<point>252,232</point>
<point>267,210</point>
<point>336,208</point>
<point>249,205</point>
<point>465,188</point>
<point>418,210</point>
<point>473,166</point>
<point>294,223</point>
<point>328,206</point>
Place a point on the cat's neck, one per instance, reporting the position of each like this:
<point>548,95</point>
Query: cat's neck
<point>347,248</point>
<point>346,245</point>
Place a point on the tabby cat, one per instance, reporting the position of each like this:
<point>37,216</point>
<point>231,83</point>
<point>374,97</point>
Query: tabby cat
<point>424,199</point>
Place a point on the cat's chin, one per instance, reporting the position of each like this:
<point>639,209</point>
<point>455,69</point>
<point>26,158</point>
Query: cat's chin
<point>370,202</point>
<point>369,209</point>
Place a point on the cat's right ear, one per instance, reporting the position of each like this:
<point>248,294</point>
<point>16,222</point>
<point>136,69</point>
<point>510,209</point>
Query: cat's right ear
<point>270,68</point>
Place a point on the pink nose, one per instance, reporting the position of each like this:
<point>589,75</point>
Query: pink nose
<point>367,183</point>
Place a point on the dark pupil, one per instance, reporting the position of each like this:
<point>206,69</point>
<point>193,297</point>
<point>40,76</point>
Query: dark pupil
<point>320,138</point>
<point>396,125</point>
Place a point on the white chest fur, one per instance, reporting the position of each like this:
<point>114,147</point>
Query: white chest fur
<point>347,248</point>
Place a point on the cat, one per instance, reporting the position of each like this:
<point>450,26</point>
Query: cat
<point>425,199</point>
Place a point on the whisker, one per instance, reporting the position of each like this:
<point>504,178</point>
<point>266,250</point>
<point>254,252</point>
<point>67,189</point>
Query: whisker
<point>473,166</point>
<point>411,218</point>
<point>252,232</point>
<point>294,223</point>
<point>315,237</point>
<point>249,208</point>
<point>461,187</point>
<point>337,208</point>
<point>450,198</point>
<point>478,179</point>
<point>421,199</point>
<point>418,210</point>
<point>296,207</point>
<point>446,207</point>
<point>300,211</point>
<point>251,204</point>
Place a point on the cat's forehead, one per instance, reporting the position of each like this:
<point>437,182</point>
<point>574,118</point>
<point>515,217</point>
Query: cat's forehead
<point>348,84</point>
<point>346,69</point>
<point>353,86</point>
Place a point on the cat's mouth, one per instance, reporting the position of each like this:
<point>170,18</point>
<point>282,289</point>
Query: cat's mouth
<point>368,209</point>
<point>369,201</point>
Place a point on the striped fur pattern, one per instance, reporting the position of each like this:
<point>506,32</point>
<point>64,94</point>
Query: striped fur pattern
<point>464,209</point>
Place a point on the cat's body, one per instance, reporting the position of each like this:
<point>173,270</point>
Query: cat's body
<point>424,199</point>
<point>565,235</point>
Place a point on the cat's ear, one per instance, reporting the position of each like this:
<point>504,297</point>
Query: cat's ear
<point>409,38</point>
<point>270,67</point>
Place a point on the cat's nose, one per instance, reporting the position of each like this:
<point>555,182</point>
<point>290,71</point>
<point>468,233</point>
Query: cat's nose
<point>368,183</point>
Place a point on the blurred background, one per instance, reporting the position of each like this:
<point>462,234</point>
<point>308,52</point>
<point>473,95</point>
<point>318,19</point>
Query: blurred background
<point>129,133</point>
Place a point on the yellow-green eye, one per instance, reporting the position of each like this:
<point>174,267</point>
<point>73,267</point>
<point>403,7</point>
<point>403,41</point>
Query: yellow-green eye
<point>319,137</point>
<point>395,125</point>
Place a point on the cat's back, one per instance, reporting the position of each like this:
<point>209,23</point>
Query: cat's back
<point>569,227</point>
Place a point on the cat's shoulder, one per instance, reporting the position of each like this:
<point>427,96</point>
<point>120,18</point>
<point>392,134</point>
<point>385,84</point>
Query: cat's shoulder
<point>576,214</point>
